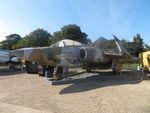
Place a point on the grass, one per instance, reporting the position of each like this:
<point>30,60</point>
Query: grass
<point>131,66</point>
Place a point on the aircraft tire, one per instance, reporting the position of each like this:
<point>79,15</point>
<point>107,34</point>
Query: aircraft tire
<point>58,73</point>
<point>114,71</point>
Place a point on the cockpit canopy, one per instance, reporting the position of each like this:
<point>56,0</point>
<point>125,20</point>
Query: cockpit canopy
<point>66,42</point>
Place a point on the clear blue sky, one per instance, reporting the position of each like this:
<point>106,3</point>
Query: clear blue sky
<point>124,18</point>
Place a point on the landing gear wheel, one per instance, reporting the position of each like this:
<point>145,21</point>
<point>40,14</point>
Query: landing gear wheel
<point>114,71</point>
<point>41,75</point>
<point>41,71</point>
<point>58,73</point>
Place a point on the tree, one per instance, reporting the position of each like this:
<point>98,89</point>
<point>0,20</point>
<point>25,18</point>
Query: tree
<point>37,38</point>
<point>124,42</point>
<point>24,42</point>
<point>128,45</point>
<point>57,36</point>
<point>72,32</point>
<point>146,47</point>
<point>138,46</point>
<point>10,41</point>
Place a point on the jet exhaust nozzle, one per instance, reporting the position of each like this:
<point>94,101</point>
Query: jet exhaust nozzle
<point>82,54</point>
<point>90,54</point>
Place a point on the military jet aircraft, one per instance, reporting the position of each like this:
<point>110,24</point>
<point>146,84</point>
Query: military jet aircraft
<point>59,55</point>
<point>99,54</point>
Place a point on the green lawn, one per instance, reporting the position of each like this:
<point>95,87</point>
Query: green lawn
<point>130,66</point>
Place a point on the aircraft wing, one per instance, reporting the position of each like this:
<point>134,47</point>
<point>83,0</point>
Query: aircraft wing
<point>107,53</point>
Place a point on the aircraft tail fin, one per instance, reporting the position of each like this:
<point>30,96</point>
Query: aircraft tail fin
<point>119,44</point>
<point>120,47</point>
<point>123,50</point>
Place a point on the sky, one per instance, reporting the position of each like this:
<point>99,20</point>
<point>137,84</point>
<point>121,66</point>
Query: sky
<point>123,18</point>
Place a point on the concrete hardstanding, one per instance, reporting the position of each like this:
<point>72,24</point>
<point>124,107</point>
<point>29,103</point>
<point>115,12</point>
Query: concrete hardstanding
<point>92,93</point>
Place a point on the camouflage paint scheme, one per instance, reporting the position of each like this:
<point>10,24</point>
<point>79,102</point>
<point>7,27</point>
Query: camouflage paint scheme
<point>62,56</point>
<point>96,56</point>
<point>91,56</point>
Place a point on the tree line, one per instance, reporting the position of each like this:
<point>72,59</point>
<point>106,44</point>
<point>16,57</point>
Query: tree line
<point>136,46</point>
<point>41,37</point>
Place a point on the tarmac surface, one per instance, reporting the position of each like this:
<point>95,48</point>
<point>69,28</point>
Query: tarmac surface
<point>95,92</point>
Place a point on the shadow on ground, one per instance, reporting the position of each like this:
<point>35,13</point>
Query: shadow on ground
<point>99,80</point>
<point>9,72</point>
